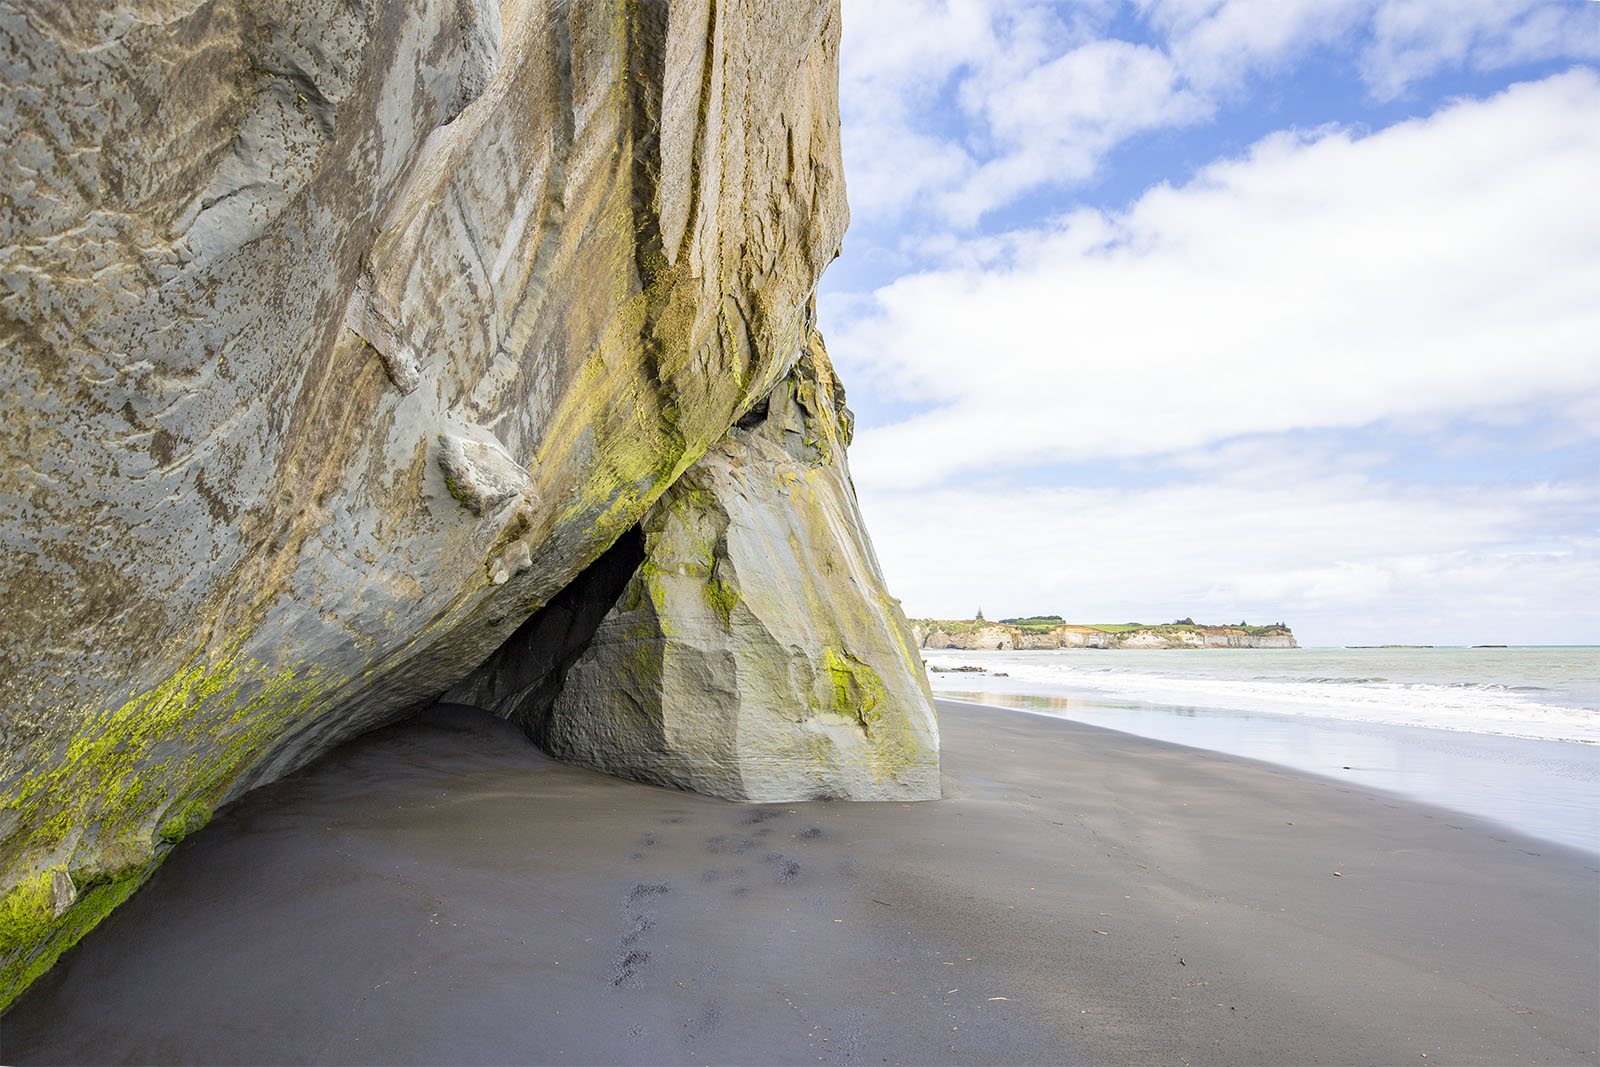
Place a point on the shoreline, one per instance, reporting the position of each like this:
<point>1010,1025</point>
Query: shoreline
<point>1534,786</point>
<point>1541,697</point>
<point>442,892</point>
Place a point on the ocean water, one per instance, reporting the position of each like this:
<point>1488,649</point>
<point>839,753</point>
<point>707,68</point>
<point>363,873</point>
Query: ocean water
<point>1507,734</point>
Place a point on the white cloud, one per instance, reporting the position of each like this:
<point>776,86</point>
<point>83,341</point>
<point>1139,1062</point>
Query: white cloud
<point>1396,43</point>
<point>957,107</point>
<point>1415,38</point>
<point>1440,267</point>
<point>945,99</point>
<point>898,56</point>
<point>1056,121</point>
<point>1217,43</point>
<point>1435,277</point>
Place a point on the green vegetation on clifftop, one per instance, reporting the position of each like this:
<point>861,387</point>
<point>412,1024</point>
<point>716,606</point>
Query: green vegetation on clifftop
<point>1050,631</point>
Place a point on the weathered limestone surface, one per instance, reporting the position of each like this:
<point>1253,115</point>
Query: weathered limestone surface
<point>1083,638</point>
<point>338,338</point>
<point>1031,640</point>
<point>995,637</point>
<point>754,654</point>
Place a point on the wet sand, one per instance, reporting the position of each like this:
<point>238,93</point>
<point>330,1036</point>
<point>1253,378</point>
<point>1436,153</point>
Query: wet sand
<point>440,892</point>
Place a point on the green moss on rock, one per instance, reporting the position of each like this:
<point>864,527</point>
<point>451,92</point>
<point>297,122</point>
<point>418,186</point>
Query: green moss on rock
<point>25,912</point>
<point>191,735</point>
<point>192,817</point>
<point>134,780</point>
<point>857,690</point>
<point>722,597</point>
<point>811,687</point>
<point>44,944</point>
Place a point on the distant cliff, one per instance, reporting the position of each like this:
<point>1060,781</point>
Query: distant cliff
<point>1052,633</point>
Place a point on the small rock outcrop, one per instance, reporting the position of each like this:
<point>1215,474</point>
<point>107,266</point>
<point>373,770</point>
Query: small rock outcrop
<point>480,473</point>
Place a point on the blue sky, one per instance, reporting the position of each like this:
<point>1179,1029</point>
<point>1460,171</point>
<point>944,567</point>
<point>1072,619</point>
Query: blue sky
<point>1265,309</point>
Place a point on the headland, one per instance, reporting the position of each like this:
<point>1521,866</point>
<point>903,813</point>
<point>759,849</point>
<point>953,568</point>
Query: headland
<point>1051,631</point>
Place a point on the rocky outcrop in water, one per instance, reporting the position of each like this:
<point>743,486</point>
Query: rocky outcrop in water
<point>339,341</point>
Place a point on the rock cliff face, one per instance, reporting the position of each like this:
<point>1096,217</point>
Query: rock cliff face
<point>995,637</point>
<point>340,339</point>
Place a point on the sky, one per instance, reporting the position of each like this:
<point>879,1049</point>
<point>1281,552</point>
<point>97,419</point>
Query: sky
<point>1265,310</point>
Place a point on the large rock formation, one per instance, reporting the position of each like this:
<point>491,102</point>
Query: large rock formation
<point>339,339</point>
<point>754,654</point>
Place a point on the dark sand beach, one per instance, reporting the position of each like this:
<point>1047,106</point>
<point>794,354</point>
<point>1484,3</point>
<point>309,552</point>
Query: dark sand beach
<point>439,892</point>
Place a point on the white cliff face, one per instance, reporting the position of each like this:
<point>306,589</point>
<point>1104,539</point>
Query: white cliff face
<point>1084,638</point>
<point>1149,639</point>
<point>991,637</point>
<point>1235,639</point>
<point>1031,640</point>
<point>339,339</point>
<point>755,655</point>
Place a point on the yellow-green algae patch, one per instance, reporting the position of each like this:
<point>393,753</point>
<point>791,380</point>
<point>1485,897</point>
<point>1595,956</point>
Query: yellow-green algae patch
<point>193,816</point>
<point>722,597</point>
<point>54,936</point>
<point>857,692</point>
<point>132,782</point>
<point>25,912</point>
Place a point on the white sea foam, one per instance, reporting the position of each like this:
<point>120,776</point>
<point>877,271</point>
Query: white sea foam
<point>1548,694</point>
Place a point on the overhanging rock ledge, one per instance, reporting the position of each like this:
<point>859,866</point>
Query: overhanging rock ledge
<point>338,341</point>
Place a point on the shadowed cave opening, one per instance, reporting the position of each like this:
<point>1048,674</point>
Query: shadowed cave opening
<point>521,679</point>
<point>755,416</point>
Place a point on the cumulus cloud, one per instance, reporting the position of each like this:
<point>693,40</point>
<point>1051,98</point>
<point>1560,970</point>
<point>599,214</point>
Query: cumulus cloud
<point>1218,43</point>
<point>1413,38</point>
<point>959,107</point>
<point>910,67</point>
<point>1055,122</point>
<point>1440,267</point>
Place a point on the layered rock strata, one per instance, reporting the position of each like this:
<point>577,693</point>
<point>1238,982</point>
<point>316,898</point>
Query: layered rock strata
<point>339,339</point>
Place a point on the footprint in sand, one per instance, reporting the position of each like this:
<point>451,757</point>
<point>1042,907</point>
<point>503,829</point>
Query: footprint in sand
<point>625,969</point>
<point>631,958</point>
<point>729,846</point>
<point>784,869</point>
